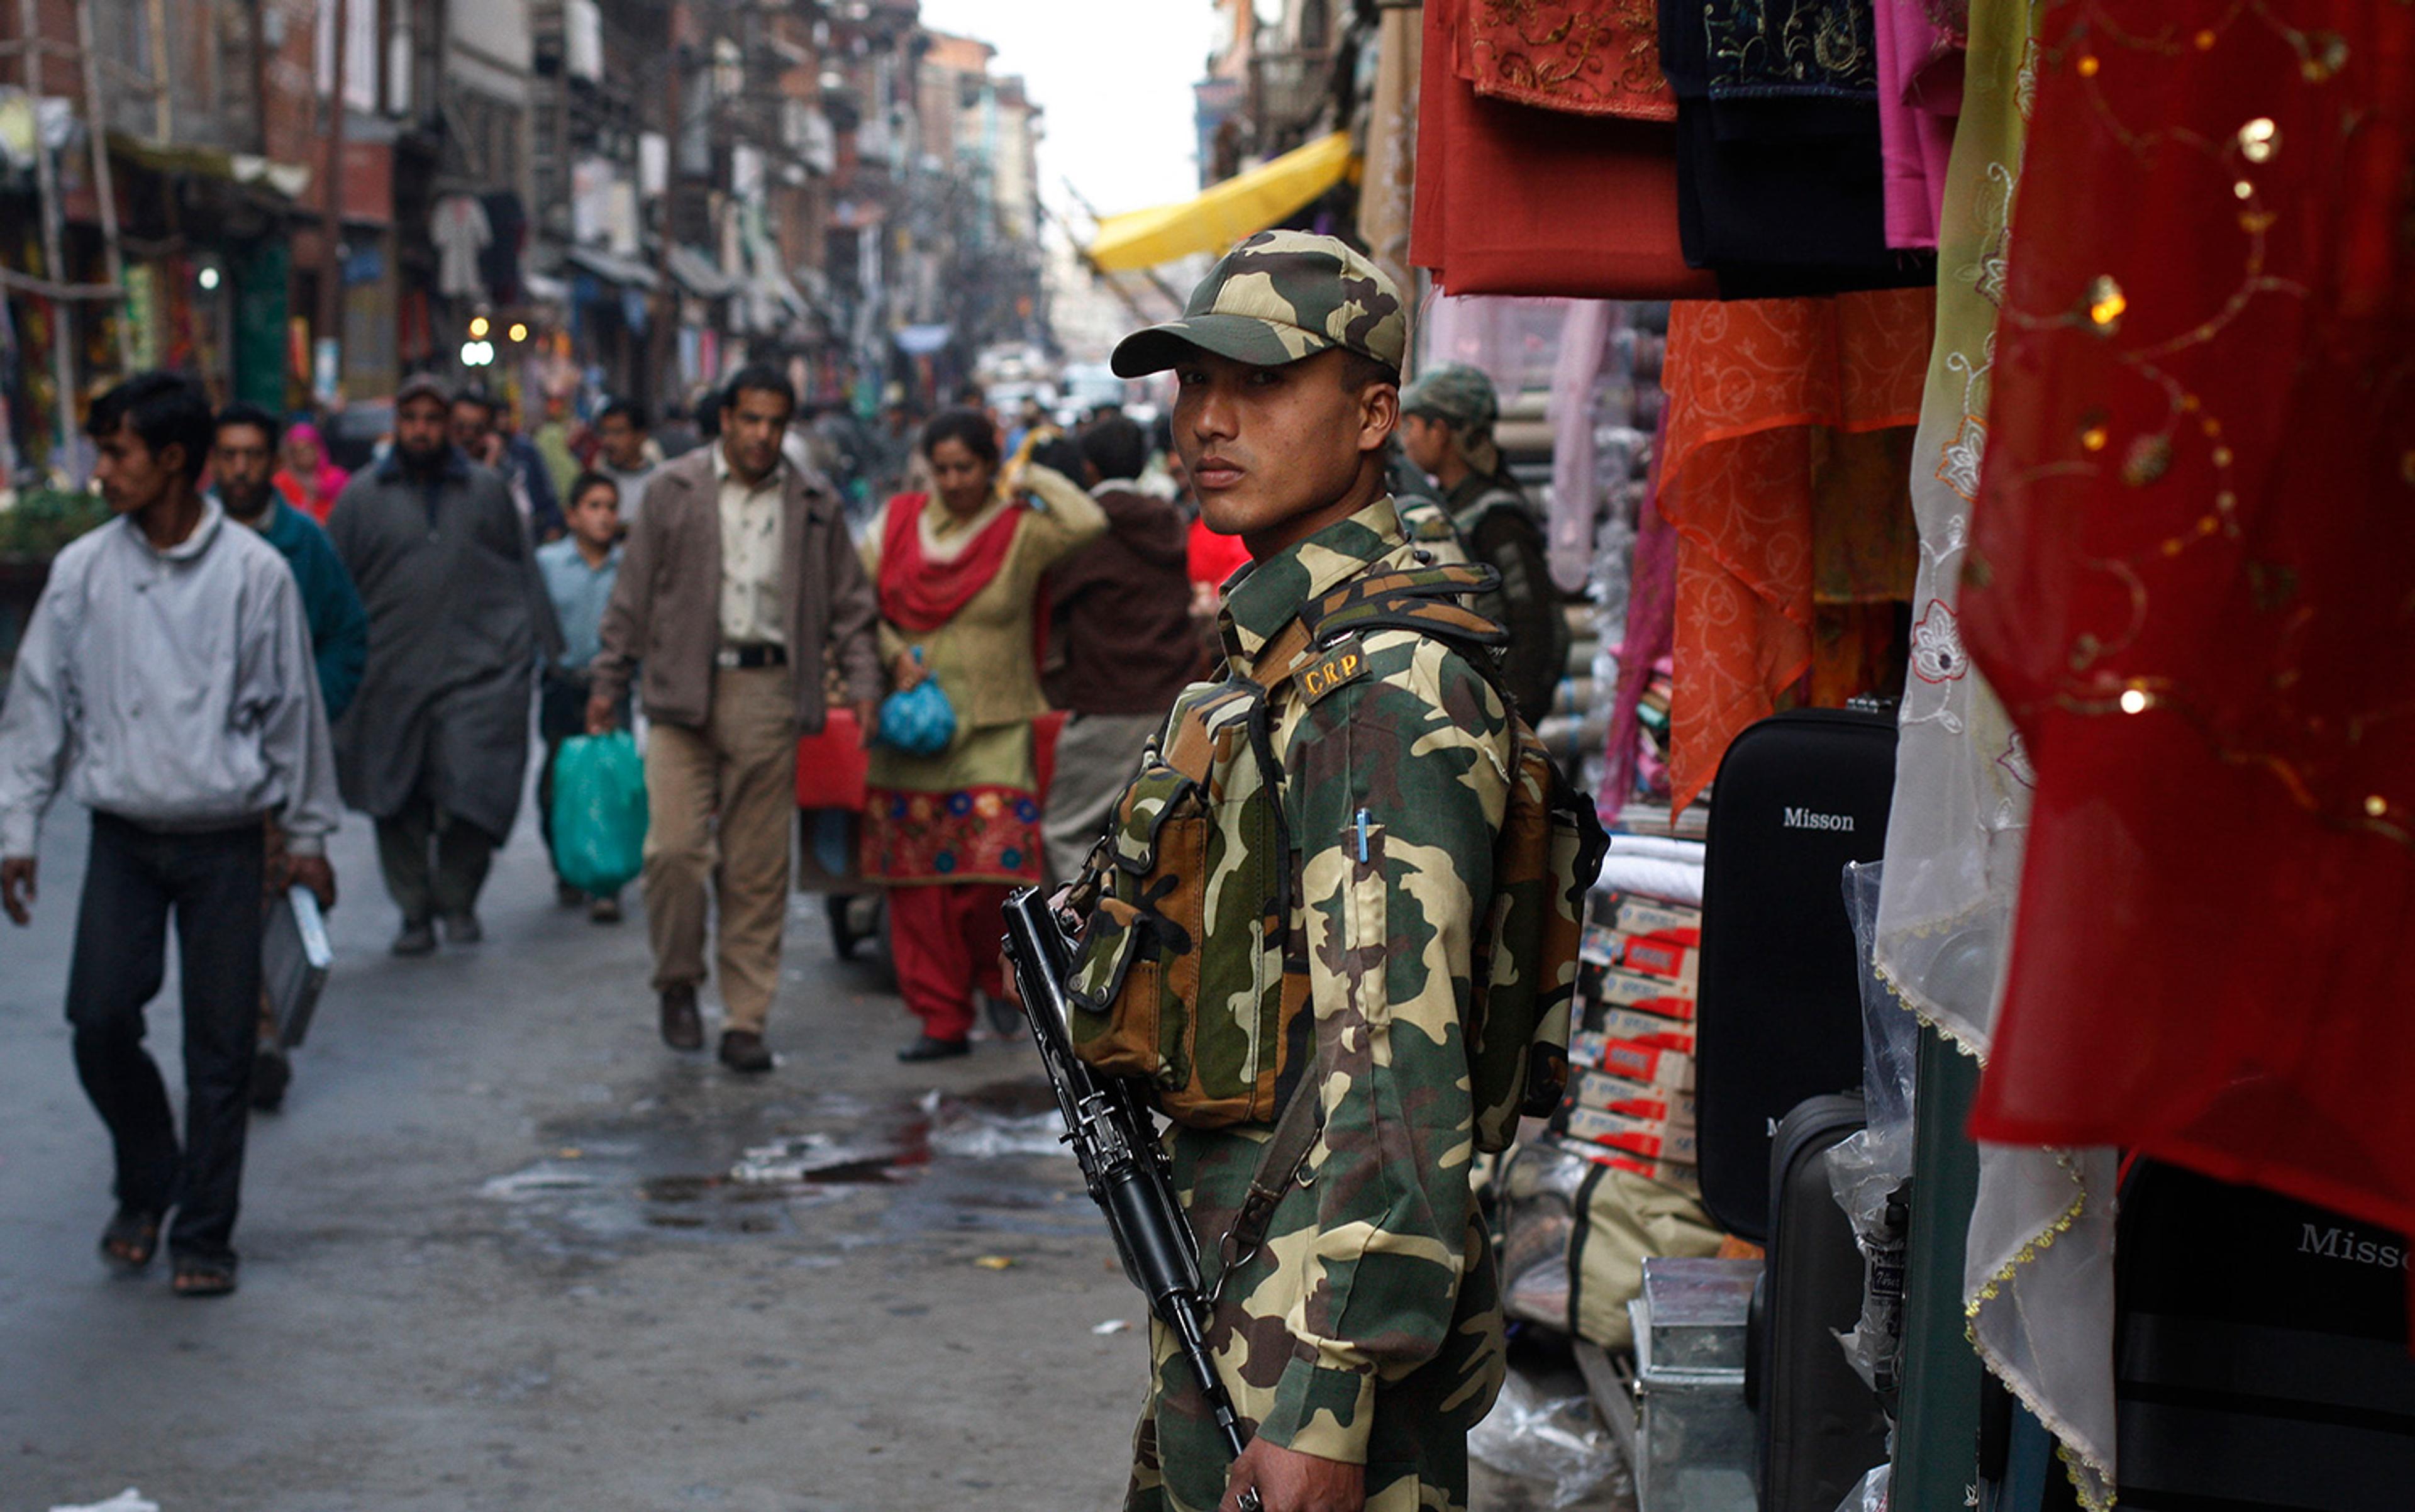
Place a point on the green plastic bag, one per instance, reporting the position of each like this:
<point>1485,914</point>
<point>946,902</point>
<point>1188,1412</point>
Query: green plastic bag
<point>599,812</point>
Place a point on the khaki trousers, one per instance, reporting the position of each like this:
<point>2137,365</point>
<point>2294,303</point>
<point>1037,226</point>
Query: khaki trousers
<point>721,801</point>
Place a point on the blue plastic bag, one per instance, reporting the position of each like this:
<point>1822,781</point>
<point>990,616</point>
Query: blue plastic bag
<point>599,812</point>
<point>918,721</point>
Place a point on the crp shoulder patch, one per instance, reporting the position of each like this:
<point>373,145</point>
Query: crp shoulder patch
<point>1339,665</point>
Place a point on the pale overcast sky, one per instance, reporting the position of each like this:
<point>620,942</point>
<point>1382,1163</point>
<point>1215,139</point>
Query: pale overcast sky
<point>1115,79</point>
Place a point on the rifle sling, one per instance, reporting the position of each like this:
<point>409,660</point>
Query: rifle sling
<point>1295,1135</point>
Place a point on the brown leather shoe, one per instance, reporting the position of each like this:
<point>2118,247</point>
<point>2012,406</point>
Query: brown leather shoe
<point>682,1028</point>
<point>742,1050</point>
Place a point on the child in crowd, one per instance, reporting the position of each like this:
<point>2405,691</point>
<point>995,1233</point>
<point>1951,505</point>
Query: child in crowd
<point>580,570</point>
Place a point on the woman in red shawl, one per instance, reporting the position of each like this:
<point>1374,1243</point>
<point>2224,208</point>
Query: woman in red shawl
<point>307,480</point>
<point>958,571</point>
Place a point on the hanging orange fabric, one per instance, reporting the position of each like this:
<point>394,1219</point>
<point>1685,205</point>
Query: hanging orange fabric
<point>1752,385</point>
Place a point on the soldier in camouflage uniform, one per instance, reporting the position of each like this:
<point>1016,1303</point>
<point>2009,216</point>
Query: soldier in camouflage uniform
<point>1363,1339</point>
<point>1447,419</point>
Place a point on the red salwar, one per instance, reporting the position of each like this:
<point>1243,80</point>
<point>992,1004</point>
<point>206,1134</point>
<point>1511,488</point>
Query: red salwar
<point>945,941</point>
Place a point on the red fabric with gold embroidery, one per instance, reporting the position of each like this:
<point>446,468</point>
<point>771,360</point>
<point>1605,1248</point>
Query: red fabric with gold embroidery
<point>1587,57</point>
<point>1511,199</point>
<point>2192,583</point>
<point>1752,385</point>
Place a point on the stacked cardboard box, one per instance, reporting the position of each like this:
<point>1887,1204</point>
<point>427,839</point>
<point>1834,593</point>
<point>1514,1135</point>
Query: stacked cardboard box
<point>1630,1100</point>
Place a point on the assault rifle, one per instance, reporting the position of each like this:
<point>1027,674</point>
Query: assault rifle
<point>1114,1135</point>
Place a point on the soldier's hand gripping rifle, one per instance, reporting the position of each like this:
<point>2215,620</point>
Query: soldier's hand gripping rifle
<point>1115,1137</point>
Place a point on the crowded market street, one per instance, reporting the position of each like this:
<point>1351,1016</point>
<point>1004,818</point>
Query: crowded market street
<point>1207,756</point>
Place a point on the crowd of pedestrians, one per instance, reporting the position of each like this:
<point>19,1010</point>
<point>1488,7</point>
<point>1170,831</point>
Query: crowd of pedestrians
<point>262,639</point>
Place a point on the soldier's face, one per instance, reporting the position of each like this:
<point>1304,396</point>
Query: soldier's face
<point>1270,450</point>
<point>1425,440</point>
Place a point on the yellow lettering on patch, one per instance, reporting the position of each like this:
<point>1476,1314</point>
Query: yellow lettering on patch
<point>1343,665</point>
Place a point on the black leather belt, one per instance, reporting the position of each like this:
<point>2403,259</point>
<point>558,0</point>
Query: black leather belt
<point>748,658</point>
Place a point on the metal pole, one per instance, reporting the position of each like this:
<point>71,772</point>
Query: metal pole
<point>163,102</point>
<point>104,187</point>
<point>331,226</point>
<point>666,333</point>
<point>63,324</point>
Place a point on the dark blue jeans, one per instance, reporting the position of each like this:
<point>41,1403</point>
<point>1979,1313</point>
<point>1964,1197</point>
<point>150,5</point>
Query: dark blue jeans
<point>212,882</point>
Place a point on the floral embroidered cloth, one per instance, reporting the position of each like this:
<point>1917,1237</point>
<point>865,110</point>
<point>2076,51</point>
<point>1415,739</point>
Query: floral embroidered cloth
<point>973,834</point>
<point>2192,580</point>
<point>1755,386</point>
<point>1780,185</point>
<point>1791,49</point>
<point>971,815</point>
<point>2037,1277</point>
<point>1516,200</point>
<point>1588,57</point>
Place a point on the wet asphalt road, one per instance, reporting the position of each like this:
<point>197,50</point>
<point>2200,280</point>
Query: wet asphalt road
<point>503,1249</point>
<point>494,1256</point>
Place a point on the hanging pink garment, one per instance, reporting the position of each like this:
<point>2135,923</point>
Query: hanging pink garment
<point>1920,94</point>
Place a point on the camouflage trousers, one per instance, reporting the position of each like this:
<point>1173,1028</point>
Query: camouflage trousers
<point>1416,1448</point>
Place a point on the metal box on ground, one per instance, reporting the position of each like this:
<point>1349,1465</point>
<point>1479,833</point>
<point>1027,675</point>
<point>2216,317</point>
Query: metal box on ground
<point>1695,1445</point>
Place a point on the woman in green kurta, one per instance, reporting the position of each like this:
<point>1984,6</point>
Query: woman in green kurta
<point>959,572</point>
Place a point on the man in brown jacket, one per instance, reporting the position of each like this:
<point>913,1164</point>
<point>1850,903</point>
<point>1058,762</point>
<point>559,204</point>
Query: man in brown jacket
<point>737,578</point>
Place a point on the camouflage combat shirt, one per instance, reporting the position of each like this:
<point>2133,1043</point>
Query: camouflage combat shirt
<point>1366,1329</point>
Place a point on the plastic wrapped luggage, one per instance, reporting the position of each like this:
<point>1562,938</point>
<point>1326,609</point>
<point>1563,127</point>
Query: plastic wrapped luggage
<point>1821,1430</point>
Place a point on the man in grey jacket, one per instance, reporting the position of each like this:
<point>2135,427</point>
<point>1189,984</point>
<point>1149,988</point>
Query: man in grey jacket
<point>165,682</point>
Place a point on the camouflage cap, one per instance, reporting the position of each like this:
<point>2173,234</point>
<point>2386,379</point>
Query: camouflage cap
<point>1462,397</point>
<point>1277,297</point>
<point>1457,394</point>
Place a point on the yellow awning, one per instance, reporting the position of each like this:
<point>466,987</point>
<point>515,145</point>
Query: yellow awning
<point>1242,205</point>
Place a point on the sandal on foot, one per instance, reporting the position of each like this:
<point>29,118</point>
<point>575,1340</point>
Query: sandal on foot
<point>204,1278</point>
<point>131,1238</point>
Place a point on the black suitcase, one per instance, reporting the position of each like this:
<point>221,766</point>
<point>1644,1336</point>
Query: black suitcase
<point>2260,1352</point>
<point>1821,1427</point>
<point>1779,1017</point>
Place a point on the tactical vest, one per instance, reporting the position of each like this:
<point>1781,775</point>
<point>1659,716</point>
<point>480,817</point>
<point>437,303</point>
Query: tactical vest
<point>1190,973</point>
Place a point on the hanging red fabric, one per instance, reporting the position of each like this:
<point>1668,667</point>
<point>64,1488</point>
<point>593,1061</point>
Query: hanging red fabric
<point>1513,200</point>
<point>2192,580</point>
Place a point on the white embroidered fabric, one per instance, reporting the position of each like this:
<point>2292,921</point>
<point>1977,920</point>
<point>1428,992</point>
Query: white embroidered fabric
<point>2038,1274</point>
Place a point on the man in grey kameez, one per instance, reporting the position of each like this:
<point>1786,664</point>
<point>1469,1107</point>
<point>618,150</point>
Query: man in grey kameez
<point>435,745</point>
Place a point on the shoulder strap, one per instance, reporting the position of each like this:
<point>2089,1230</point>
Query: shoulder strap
<point>1278,1162</point>
<point>1423,601</point>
